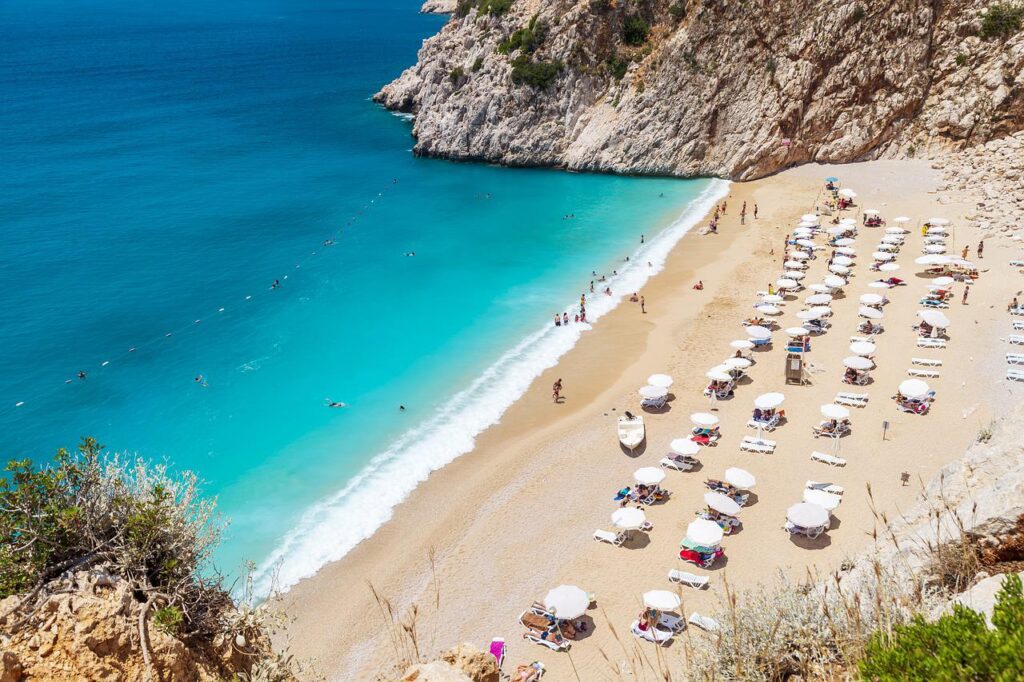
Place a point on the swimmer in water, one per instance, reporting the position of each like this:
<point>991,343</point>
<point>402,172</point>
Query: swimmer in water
<point>334,403</point>
<point>81,375</point>
<point>276,284</point>
<point>410,253</point>
<point>401,408</point>
<point>201,380</point>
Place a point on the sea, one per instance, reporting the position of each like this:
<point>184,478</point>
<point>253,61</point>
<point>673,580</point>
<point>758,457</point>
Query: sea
<point>207,232</point>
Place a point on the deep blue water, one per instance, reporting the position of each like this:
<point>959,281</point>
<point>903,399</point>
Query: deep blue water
<point>159,163</point>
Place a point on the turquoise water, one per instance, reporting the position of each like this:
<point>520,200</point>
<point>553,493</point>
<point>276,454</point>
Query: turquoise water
<point>163,166</point>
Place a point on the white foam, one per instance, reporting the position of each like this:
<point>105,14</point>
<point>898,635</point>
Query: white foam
<point>332,527</point>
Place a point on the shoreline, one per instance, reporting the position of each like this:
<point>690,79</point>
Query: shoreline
<point>500,508</point>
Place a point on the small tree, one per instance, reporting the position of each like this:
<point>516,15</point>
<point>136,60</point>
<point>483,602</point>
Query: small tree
<point>1002,20</point>
<point>635,30</point>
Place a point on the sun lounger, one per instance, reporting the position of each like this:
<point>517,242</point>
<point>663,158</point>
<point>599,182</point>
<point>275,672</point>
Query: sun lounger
<point>679,463</point>
<point>862,339</point>
<point>666,621</point>
<point>611,538</point>
<point>810,533</point>
<point>549,639</point>
<point>498,650</point>
<point>1017,263</point>
<point>766,425</point>
<point>1017,311</point>
<point>656,635</point>
<point>1016,339</point>
<point>684,578</point>
<point>851,399</point>
<point>759,445</point>
<point>828,459</point>
<point>704,622</point>
<point>827,487</point>
<point>1015,374</point>
<point>926,362</point>
<point>924,342</point>
<point>1015,358</point>
<point>923,373</point>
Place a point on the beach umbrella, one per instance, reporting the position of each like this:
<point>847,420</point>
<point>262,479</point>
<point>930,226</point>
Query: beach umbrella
<point>785,283</point>
<point>839,269</point>
<point>758,332</point>
<point>704,420</point>
<point>848,193</point>
<point>838,230</point>
<point>662,380</point>
<point>870,313</point>
<point>845,241</point>
<point>889,267</point>
<point>878,285</point>
<point>820,288</point>
<point>842,260</point>
<point>805,242</point>
<point>684,446</point>
<point>871,211</point>
<point>862,348</point>
<point>822,310</point>
<point>737,363</point>
<point>882,256</point>
<point>799,255</point>
<point>662,600</point>
<point>809,218</point>
<point>807,515</point>
<point>768,401</point>
<point>934,318</point>
<point>937,230</point>
<point>834,282</point>
<point>847,222</point>
<point>913,388</point>
<point>797,331</point>
<point>935,239</point>
<point>833,411</point>
<point>723,504</point>
<point>831,178</point>
<point>825,500</point>
<point>900,219</point>
<point>742,344</point>
<point>653,392</point>
<point>938,221</point>
<point>809,315</point>
<point>932,259</point>
<point>871,299</point>
<point>741,478</point>
<point>819,299</point>
<point>794,274</point>
<point>858,363</point>
<point>629,518</point>
<point>892,239</point>
<point>935,248</point>
<point>847,251</point>
<point>704,533</point>
<point>943,281</point>
<point>772,298</point>
<point>649,475</point>
<point>567,602</point>
<point>766,309</point>
<point>794,265</point>
<point>718,376</point>
<point>804,230</point>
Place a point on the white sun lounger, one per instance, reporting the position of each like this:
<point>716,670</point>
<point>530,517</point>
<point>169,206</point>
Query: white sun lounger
<point>827,487</point>
<point>704,622</point>
<point>1015,358</point>
<point>862,339</point>
<point>1017,264</point>
<point>679,464</point>
<point>666,621</point>
<point>851,399</point>
<point>762,446</point>
<point>1017,311</point>
<point>923,373</point>
<point>1016,339</point>
<point>612,538</point>
<point>924,342</point>
<point>828,459</point>
<point>656,635</point>
<point>1018,325</point>
<point>684,578</point>
<point>926,362</point>
<point>1015,374</point>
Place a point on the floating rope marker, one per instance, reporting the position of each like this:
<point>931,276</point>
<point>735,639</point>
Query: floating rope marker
<point>104,363</point>
<point>220,310</point>
<point>19,404</point>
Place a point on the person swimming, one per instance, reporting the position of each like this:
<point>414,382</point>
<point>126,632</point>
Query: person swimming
<point>334,403</point>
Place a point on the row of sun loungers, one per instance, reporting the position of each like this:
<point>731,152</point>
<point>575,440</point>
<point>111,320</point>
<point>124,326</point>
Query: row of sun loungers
<point>757,445</point>
<point>827,487</point>
<point>828,459</point>
<point>924,373</point>
<point>851,399</point>
<point>925,342</point>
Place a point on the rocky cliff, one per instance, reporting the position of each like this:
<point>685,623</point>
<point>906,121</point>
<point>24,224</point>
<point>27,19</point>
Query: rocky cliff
<point>729,88</point>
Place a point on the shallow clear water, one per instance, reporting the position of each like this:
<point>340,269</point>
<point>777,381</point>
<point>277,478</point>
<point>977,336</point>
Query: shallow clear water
<point>163,165</point>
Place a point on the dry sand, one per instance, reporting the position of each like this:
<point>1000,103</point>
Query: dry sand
<point>515,517</point>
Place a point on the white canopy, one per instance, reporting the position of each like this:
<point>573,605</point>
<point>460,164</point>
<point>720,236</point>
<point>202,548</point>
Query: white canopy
<point>653,392</point>
<point>935,318</point>
<point>797,331</point>
<point>878,285</point>
<point>871,299</point>
<point>937,229</point>
<point>805,242</point>
<point>862,348</point>
<point>889,267</point>
<point>759,332</point>
<point>845,241</point>
<point>793,265</point>
<point>804,230</point>
<point>716,375</point>
<point>810,218</point>
<point>847,251</point>
<point>935,248</point>
<point>785,283</point>
<point>684,446</point>
<point>768,401</point>
<point>900,219</point>
<point>820,288</point>
<point>807,515</point>
<point>834,282</point>
<point>842,260</point>
<point>870,313</point>
<point>662,600</point>
<point>567,602</point>
<point>742,344</point>
<point>857,362</point>
<point>768,309</point>
<point>827,501</point>
<point>663,380</point>
<point>704,419</point>
<point>872,211</point>
<point>848,193</point>
<point>810,314</point>
<point>629,518</point>
<point>799,255</point>
<point>772,298</point>
<point>938,221</point>
<point>839,269</point>
<point>833,411</point>
<point>722,504</point>
<point>794,274</point>
<point>847,222</point>
<point>892,239</point>
<point>882,256</point>
<point>741,478</point>
<point>932,259</point>
<point>703,532</point>
<point>737,363</point>
<point>649,475</point>
<point>839,229</point>
<point>821,310</point>
<point>913,388</point>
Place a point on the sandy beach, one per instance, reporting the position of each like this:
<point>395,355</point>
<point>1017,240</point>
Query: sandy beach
<point>487,535</point>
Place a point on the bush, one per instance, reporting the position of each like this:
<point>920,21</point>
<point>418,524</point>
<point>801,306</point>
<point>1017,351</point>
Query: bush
<point>961,59</point>
<point>527,39</point>
<point>617,66</point>
<point>169,619</point>
<point>635,30</point>
<point>677,10</point>
<point>858,14</point>
<point>600,6</point>
<point>1002,20</point>
<point>477,64</point>
<point>955,647</point>
<point>538,74</point>
<point>456,74</point>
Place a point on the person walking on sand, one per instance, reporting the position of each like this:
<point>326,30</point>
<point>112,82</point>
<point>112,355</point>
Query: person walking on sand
<point>981,248</point>
<point>963,301</point>
<point>1013,304</point>
<point>755,211</point>
<point>556,390</point>
<point>643,303</point>
<point>963,254</point>
<point>743,214</point>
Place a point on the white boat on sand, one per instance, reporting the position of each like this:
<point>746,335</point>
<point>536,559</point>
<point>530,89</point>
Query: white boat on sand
<point>631,430</point>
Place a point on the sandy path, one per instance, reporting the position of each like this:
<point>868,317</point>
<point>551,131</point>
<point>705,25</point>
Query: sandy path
<point>515,517</point>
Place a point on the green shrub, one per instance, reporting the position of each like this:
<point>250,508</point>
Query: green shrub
<point>617,66</point>
<point>456,74</point>
<point>169,619</point>
<point>858,14</point>
<point>677,10</point>
<point>477,64</point>
<point>955,647</point>
<point>538,74</point>
<point>1002,20</point>
<point>600,6</point>
<point>527,39</point>
<point>635,30</point>
<point>961,59</point>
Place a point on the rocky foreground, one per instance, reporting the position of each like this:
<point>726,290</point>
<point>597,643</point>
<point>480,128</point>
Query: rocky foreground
<point>694,87</point>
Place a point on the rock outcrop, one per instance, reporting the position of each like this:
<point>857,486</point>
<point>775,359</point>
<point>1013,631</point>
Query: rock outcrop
<point>464,663</point>
<point>438,7</point>
<point>702,87</point>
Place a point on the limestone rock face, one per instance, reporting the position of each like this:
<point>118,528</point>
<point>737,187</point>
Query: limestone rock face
<point>725,88</point>
<point>438,6</point>
<point>464,663</point>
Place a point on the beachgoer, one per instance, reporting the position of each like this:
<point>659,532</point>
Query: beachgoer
<point>981,248</point>
<point>576,317</point>
<point>335,403</point>
<point>401,408</point>
<point>641,239</point>
<point>608,291</point>
<point>723,207</point>
<point>558,320</point>
<point>643,303</point>
<point>967,290</point>
<point>81,375</point>
<point>276,284</point>
<point>963,254</point>
<point>634,298</point>
<point>556,390</point>
<point>755,211</point>
<point>699,286</point>
<point>565,318</point>
<point>1013,304</point>
<point>583,300</point>
<point>591,286</point>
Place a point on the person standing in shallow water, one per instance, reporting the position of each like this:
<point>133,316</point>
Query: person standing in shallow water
<point>556,390</point>
<point>643,305</point>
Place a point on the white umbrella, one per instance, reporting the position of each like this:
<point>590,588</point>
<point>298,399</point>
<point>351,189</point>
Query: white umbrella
<point>888,248</point>
<point>932,259</point>
<point>803,225</point>
<point>768,401</point>
<point>809,218</point>
<point>847,222</point>
<point>827,501</point>
<point>742,344</point>
<point>807,515</point>
<point>839,269</point>
<point>721,503</point>
<point>935,248</point>
<point>741,478</point>
<point>653,392</point>
<point>772,298</point>
<point>900,219</point>
<point>843,260</point>
<point>684,446</point>
<point>799,255</point>
<point>871,211</point>
<point>805,242</point>
<point>758,332</point>
<point>820,288</point>
<point>649,475</point>
<point>848,193</point>
<point>766,309</point>
<point>822,310</point>
<point>737,363</point>
<point>934,318</point>
<point>892,239</point>
<point>845,241</point>
<point>785,283</point>
<point>870,313</point>
<point>858,363</point>
<point>703,532</point>
<point>895,231</point>
<point>838,229</point>
<point>937,229</point>
<point>935,239</point>
<point>938,221</point>
<point>833,411</point>
<point>794,275</point>
<point>871,299</point>
<point>847,251</point>
<point>809,315</point>
<point>878,285</point>
<point>889,267</point>
<point>662,600</point>
<point>567,602</point>
<point>862,348</point>
<point>797,331</point>
<point>834,281</point>
<point>882,256</point>
<point>704,419</point>
<point>662,380</point>
<point>913,388</point>
<point>943,281</point>
<point>629,518</point>
<point>794,265</point>
<point>804,230</point>
<point>718,376</point>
